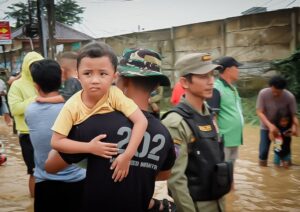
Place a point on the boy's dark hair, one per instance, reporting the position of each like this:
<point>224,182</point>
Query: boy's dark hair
<point>277,82</point>
<point>97,49</point>
<point>283,113</point>
<point>67,55</point>
<point>46,74</point>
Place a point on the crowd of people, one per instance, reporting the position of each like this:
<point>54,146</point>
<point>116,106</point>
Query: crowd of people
<point>93,137</point>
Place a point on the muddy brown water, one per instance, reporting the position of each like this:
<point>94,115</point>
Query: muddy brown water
<point>256,188</point>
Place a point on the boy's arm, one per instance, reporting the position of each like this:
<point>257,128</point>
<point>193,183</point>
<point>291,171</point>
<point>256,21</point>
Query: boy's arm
<point>140,124</point>
<point>121,163</point>
<point>63,144</point>
<point>52,99</point>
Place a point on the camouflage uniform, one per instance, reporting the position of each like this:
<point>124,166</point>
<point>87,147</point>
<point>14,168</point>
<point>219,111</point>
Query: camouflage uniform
<point>177,183</point>
<point>182,135</point>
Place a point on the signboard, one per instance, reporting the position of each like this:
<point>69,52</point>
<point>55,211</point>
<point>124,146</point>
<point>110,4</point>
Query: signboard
<point>5,33</point>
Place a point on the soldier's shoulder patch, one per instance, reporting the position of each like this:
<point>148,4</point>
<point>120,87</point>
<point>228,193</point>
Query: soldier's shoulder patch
<point>193,139</point>
<point>176,141</point>
<point>205,128</point>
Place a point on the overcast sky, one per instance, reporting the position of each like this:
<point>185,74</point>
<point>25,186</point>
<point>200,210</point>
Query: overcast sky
<point>103,18</point>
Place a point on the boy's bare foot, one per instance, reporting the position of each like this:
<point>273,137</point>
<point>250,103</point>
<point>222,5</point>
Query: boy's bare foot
<point>286,164</point>
<point>3,159</point>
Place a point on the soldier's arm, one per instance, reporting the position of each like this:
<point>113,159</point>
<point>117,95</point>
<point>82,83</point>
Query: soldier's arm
<point>178,183</point>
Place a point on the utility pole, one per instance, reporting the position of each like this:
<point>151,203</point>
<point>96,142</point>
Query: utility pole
<point>51,27</point>
<point>42,27</point>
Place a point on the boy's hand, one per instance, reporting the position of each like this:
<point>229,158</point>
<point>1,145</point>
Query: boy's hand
<point>103,149</point>
<point>39,99</point>
<point>121,165</point>
<point>288,133</point>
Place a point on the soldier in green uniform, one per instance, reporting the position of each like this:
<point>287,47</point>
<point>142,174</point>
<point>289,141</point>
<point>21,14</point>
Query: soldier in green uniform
<point>200,157</point>
<point>154,101</point>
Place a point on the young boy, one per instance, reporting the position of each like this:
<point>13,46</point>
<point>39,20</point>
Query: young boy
<point>282,141</point>
<point>97,65</point>
<point>52,191</point>
<point>70,83</point>
<point>68,64</point>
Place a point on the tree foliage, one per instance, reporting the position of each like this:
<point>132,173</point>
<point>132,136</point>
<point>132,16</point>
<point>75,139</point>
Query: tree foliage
<point>19,12</point>
<point>66,11</point>
<point>289,68</point>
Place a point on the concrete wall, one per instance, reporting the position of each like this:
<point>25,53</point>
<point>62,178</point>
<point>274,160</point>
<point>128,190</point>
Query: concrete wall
<point>248,38</point>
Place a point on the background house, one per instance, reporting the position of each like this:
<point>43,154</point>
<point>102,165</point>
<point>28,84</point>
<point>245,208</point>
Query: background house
<point>65,39</point>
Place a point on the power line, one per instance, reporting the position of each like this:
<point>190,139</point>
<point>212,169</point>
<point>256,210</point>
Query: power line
<point>276,3</point>
<point>290,3</point>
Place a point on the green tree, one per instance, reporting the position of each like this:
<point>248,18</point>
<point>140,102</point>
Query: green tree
<point>289,68</point>
<point>66,11</point>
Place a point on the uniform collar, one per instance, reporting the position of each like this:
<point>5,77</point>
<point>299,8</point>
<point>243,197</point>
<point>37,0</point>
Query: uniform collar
<point>224,82</point>
<point>204,111</point>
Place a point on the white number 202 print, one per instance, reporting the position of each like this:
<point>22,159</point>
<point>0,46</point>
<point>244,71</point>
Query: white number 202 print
<point>159,139</point>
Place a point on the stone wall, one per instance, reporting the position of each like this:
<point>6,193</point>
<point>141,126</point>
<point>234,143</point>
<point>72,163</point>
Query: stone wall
<point>249,38</point>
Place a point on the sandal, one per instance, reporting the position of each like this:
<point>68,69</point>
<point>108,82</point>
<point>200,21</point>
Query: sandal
<point>3,159</point>
<point>167,206</point>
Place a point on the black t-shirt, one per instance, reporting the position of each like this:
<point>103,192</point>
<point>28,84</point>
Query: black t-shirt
<point>70,87</point>
<point>133,194</point>
<point>286,144</point>
<point>215,101</point>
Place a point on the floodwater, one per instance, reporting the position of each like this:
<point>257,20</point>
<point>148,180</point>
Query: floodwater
<point>256,188</point>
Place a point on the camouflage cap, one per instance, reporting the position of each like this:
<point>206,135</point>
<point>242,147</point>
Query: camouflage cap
<point>140,62</point>
<point>195,63</point>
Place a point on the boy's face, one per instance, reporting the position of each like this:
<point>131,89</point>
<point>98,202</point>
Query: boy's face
<point>96,76</point>
<point>284,122</point>
<point>68,68</point>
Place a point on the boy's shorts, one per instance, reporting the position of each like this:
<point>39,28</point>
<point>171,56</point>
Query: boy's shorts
<point>278,159</point>
<point>27,152</point>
